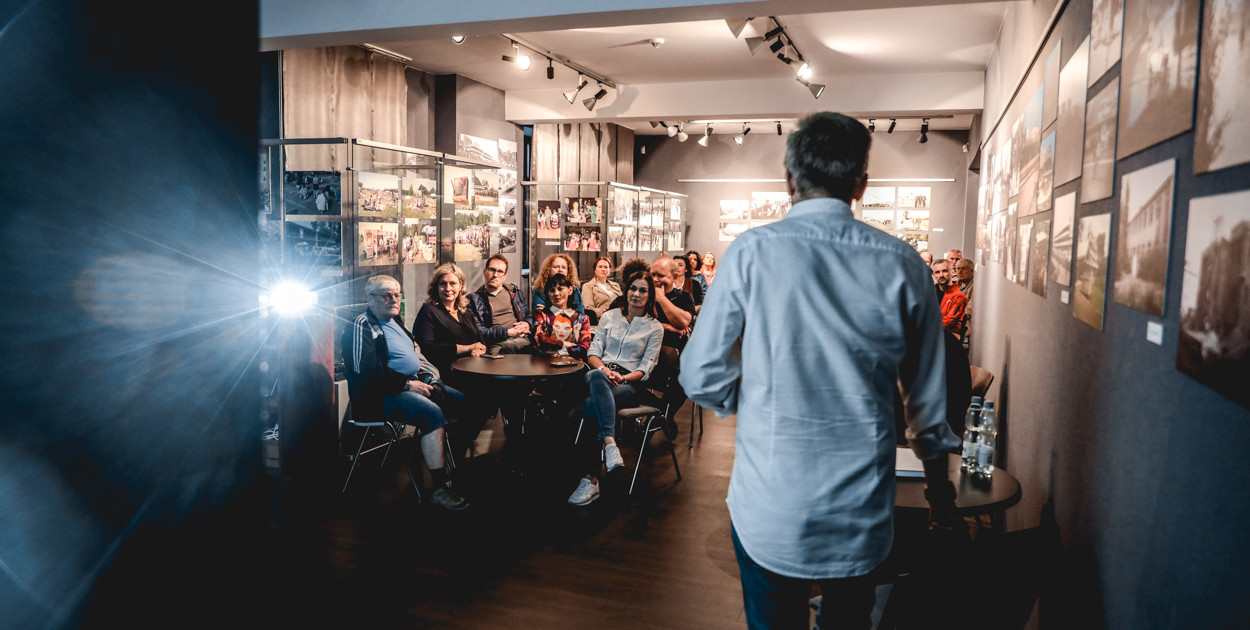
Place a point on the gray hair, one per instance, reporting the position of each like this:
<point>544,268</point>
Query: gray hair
<point>826,155</point>
<point>379,281</point>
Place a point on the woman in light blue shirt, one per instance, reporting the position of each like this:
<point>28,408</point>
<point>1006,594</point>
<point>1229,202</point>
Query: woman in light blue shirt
<point>624,351</point>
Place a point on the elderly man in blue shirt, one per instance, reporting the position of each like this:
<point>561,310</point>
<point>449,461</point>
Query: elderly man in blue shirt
<point>810,364</point>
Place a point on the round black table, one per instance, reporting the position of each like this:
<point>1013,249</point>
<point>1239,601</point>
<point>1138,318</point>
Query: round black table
<point>515,366</point>
<point>973,496</point>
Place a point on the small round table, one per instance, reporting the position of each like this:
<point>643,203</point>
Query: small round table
<point>516,366</point>
<point>973,496</point>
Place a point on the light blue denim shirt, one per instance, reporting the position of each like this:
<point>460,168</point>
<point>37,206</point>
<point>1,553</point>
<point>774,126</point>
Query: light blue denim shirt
<point>632,345</point>
<point>814,323</point>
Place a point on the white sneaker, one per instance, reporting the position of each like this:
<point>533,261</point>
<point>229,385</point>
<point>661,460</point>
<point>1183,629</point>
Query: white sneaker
<point>612,457</point>
<point>585,494</point>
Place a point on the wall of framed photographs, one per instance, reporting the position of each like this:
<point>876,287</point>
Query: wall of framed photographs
<point>1113,236</point>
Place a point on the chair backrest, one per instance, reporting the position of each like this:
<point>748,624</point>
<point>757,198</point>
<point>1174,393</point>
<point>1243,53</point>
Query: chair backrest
<point>981,380</point>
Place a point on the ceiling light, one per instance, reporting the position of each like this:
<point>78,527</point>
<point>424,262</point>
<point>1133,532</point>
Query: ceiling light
<point>924,131</point>
<point>740,137</point>
<point>457,39</point>
<point>590,102</point>
<point>892,123</point>
<point>551,70</point>
<point>779,127</point>
<point>672,130</point>
<point>872,125</point>
<point>522,61</point>
<point>682,136</point>
<point>736,26</point>
<point>773,33</point>
<point>707,134</point>
<point>804,70</point>
<point>816,88</point>
<point>777,45</point>
<point>571,95</point>
<point>656,42</point>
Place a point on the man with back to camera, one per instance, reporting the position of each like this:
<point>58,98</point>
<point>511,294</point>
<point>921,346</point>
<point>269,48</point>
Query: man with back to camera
<point>811,496</point>
<point>386,374</point>
<point>953,301</point>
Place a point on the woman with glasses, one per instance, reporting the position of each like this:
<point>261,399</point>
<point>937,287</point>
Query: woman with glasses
<point>624,351</point>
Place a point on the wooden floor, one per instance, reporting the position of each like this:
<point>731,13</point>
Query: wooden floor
<point>521,557</point>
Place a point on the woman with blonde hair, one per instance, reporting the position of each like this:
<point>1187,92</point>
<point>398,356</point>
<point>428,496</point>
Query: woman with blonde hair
<point>709,268</point>
<point>556,264</point>
<point>445,328</point>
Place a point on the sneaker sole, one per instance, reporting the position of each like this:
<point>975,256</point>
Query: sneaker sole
<point>592,499</point>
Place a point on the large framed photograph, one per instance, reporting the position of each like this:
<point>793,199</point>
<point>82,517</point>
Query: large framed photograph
<point>547,219</point>
<point>1030,155</point>
<point>1223,136</point>
<point>420,242</point>
<point>1046,173</point>
<point>377,244</point>
<point>769,206</point>
<point>735,209</point>
<point>485,189</point>
<point>1061,247</point>
<point>418,197</point>
<point>1106,25</point>
<point>479,149</point>
<point>1214,344</point>
<point>730,230</point>
<point>1024,242</point>
<point>472,235</point>
<point>913,196</point>
<point>377,195</point>
<point>1070,127</point>
<point>1098,171</point>
<point>913,220</point>
<point>318,243</point>
<point>1050,108</point>
<point>1089,300</point>
<point>312,192</point>
<point>1141,267</point>
<point>1157,72</point>
<point>880,219</point>
<point>1039,255</point>
<point>878,197</point>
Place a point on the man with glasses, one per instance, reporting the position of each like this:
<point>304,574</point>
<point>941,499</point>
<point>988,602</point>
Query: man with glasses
<point>500,313</point>
<point>386,375</point>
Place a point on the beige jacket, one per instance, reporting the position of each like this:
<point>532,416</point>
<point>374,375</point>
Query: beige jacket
<point>598,299</point>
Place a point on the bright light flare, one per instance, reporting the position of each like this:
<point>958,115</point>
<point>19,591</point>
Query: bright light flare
<point>289,299</point>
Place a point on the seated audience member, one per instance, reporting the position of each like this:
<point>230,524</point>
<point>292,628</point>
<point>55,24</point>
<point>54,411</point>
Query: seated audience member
<point>964,272</point>
<point>628,269</point>
<point>558,329</point>
<point>953,257</point>
<point>674,309</point>
<point>953,302</point>
<point>500,314</point>
<point>623,353</point>
<point>681,278</point>
<point>708,270</point>
<point>553,264</point>
<point>695,269</point>
<point>599,292</point>
<point>927,257</point>
<point>446,331</point>
<point>386,375</point>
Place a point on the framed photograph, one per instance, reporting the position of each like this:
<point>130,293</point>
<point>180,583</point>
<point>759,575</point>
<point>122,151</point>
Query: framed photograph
<point>1030,155</point>
<point>506,213</point>
<point>880,219</point>
<point>1016,152</point>
<point>485,189</point>
<point>507,155</point>
<point>1010,237</point>
<point>507,239</point>
<point>629,238</point>
<point>419,244</point>
<point>998,237</point>
<point>377,244</point>
<point>547,219</point>
<point>1141,267</point>
<point>318,243</point>
<point>1106,24</point>
<point>769,206</point>
<point>472,235</point>
<point>913,220</point>
<point>730,230</point>
<point>312,192</point>
<point>1157,72</point>
<point>460,182</point>
<point>377,195</point>
<point>674,208</point>
<point>646,239</point>
<point>1039,255</point>
<point>918,240</point>
<point>615,238</point>
<point>507,182</point>
<point>735,209</point>
<point>1223,136</point>
<point>1025,240</point>
<point>1050,107</point>
<point>581,210</point>
<point>1046,173</point>
<point>878,197</point>
<point>1089,299</point>
<point>1061,247</point>
<point>674,235</point>
<point>1070,127</point>
<point>479,149</point>
<point>623,202</point>
<point>1212,345</point>
<point>581,239</point>
<point>913,196</point>
<point>418,197</point>
<point>1098,170</point>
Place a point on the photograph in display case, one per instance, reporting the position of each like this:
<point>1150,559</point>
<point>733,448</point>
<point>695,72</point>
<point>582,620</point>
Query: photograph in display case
<point>769,206</point>
<point>1039,255</point>
<point>913,220</point>
<point>735,209</point>
<point>479,149</point>
<point>623,201</point>
<point>377,195</point>
<point>472,235</point>
<point>918,240</point>
<point>377,244</point>
<point>581,210</point>
<point>581,239</point>
<point>877,197</point>
<point>615,238</point>
<point>913,196</point>
<point>1089,299</point>
<point>1157,72</point>
<point>1223,134</point>
<point>507,155</point>
<point>1215,315</point>
<point>1070,127</point>
<point>318,243</point>
<point>1061,241</point>
<point>507,182</point>
<point>312,192</point>
<point>506,212</point>
<point>730,230</point>
<point>674,208</point>
<point>485,189</point>
<point>1141,254</point>
<point>418,197</point>
<point>629,238</point>
<point>646,239</point>
<point>880,219</point>
<point>460,182</point>
<point>507,239</point>
<point>420,242</point>
<point>1098,171</point>
<point>547,219</point>
<point>1106,23</point>
<point>674,235</point>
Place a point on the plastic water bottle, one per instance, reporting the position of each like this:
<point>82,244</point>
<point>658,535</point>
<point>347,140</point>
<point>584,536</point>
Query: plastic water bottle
<point>972,428</point>
<point>986,441</point>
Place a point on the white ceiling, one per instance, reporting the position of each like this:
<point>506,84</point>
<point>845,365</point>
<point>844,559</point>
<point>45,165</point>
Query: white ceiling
<point>904,61</point>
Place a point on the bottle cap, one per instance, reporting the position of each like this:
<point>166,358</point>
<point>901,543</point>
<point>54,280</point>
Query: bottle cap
<point>976,400</point>
<point>989,404</point>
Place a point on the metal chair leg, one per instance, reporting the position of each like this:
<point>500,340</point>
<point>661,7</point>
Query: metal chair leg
<point>642,450</point>
<point>355,459</point>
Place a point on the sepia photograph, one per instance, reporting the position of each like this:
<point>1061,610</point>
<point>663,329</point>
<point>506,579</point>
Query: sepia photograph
<point>730,230</point>
<point>1141,256</point>
<point>418,197</point>
<point>459,182</point>
<point>1016,155</point>
<point>547,219</point>
<point>998,237</point>
<point>1070,126</point>
<point>485,189</point>
<point>507,182</point>
<point>377,195</point>
<point>646,239</point>
<point>507,239</point>
<point>1088,301</point>
<point>507,154</point>
<point>312,192</point>
<point>1106,24</point>
<point>1098,170</point>
<point>1046,173</point>
<point>918,241</point>
<point>1214,338</point>
<point>1061,240</point>
<point>420,242</point>
<point>674,235</point>
<point>1039,254</point>
<point>735,209</point>
<point>880,219</point>
<point>1024,242</point>
<point>877,197</point>
<point>913,196</point>
<point>1010,244</point>
<point>1030,155</point>
<point>1050,107</point>
<point>913,220</point>
<point>769,206</point>
<point>377,244</point>
<point>506,213</point>
<point>1223,134</point>
<point>1157,72</point>
<point>478,149</point>
<point>674,208</point>
<point>629,238</point>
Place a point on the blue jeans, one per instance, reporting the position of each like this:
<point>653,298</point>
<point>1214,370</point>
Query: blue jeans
<point>423,413</point>
<point>777,602</point>
<point>605,399</point>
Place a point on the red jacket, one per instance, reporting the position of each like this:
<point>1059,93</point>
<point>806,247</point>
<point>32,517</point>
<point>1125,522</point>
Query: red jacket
<point>954,304</point>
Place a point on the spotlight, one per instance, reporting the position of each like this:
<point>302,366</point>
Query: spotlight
<point>740,137</point>
<point>590,102</point>
<point>777,45</point>
<point>872,125</point>
<point>892,123</point>
<point>773,33</point>
<point>804,70</point>
<point>656,42</point>
<point>707,134</point>
<point>551,71</point>
<point>682,136</point>
<point>672,130</point>
<point>779,127</point>
<point>816,88</point>
<point>784,59</point>
<point>571,95</point>
<point>289,299</point>
<point>924,131</point>
<point>736,26</point>
<point>522,61</point>
<point>457,39</point>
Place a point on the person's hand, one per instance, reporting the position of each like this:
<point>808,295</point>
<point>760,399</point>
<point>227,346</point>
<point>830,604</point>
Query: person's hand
<point>477,349</point>
<point>519,329</point>
<point>944,523</point>
<point>614,377</point>
<point>420,388</point>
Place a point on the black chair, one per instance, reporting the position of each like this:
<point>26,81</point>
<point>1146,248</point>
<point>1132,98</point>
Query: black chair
<point>393,432</point>
<point>650,419</point>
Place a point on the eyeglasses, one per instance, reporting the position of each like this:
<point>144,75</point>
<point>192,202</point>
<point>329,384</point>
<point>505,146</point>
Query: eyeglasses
<point>387,297</point>
<point>497,270</point>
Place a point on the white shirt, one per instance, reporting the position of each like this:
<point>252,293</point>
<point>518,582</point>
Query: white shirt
<point>816,321</point>
<point>632,345</point>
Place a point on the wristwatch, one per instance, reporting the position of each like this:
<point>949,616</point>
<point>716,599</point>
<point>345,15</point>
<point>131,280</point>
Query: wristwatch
<point>407,387</point>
